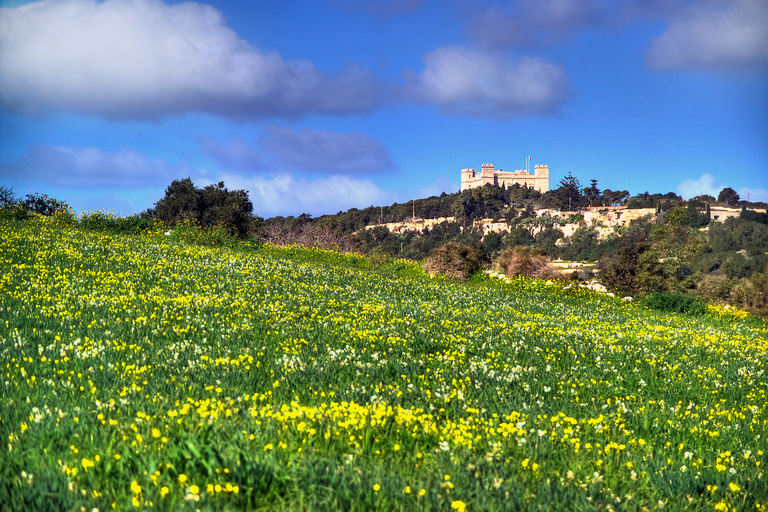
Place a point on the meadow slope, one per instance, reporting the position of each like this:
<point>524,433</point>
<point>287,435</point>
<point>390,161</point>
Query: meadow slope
<point>143,372</point>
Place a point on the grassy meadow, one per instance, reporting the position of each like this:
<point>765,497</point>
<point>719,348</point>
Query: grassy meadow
<point>145,372</point>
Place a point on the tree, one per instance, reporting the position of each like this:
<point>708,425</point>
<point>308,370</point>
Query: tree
<point>729,196</point>
<point>7,197</point>
<point>211,206</point>
<point>592,193</point>
<point>44,205</point>
<point>568,195</point>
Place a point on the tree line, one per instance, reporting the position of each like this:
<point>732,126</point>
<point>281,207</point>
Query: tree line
<point>678,251</point>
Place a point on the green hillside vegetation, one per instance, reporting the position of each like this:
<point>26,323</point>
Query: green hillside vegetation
<point>679,251</point>
<point>191,371</point>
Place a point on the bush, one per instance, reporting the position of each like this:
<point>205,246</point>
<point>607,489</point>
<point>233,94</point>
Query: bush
<point>676,303</point>
<point>522,261</point>
<point>189,231</point>
<point>454,260</point>
<point>210,206</point>
<point>752,294</point>
<point>46,206</point>
<point>715,287</point>
<point>100,221</point>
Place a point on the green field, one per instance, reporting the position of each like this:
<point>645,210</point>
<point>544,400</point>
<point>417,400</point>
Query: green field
<point>143,372</point>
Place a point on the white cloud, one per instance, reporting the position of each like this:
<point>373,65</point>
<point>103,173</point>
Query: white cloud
<point>93,168</point>
<point>285,195</point>
<point>715,35</point>
<point>325,151</point>
<point>126,181</point>
<point>305,151</point>
<point>138,59</point>
<point>526,22</point>
<point>460,81</point>
<point>437,187</point>
<point>234,155</point>
<point>704,185</point>
<point>754,194</point>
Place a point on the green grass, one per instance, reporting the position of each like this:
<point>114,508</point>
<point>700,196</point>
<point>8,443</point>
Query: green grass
<point>141,371</point>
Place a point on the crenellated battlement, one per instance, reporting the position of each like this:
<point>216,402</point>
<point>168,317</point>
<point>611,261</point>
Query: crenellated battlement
<point>488,174</point>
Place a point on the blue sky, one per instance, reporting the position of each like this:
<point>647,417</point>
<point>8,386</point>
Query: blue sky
<point>321,106</point>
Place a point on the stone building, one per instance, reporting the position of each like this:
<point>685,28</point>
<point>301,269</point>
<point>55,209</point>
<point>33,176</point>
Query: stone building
<point>539,180</point>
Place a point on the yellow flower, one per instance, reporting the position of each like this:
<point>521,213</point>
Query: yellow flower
<point>376,487</point>
<point>194,489</point>
<point>182,478</point>
<point>422,492</point>
<point>525,463</point>
<point>408,489</point>
<point>734,487</point>
<point>164,491</point>
<point>458,505</point>
<point>135,487</point>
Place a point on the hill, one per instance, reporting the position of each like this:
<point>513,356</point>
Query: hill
<point>144,371</point>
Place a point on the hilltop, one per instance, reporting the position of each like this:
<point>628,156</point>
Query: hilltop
<point>704,248</point>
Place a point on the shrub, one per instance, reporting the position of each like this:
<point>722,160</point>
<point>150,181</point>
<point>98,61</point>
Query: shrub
<point>715,286</point>
<point>752,293</point>
<point>676,303</point>
<point>100,221</point>
<point>7,197</point>
<point>522,261</point>
<point>210,206</point>
<point>454,260</point>
<point>46,206</point>
<point>189,231</point>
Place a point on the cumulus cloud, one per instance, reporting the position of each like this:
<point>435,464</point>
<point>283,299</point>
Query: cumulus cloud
<point>437,187</point>
<point>305,151</point>
<point>461,81</point>
<point>284,194</point>
<point>714,35</point>
<point>93,168</point>
<point>325,151</point>
<point>527,22</point>
<point>704,185</point>
<point>139,59</point>
<point>633,10</point>
<point>233,155</point>
<point>754,194</point>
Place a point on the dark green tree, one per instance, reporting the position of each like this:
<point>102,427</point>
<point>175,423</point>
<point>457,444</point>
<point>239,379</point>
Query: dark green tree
<point>729,196</point>
<point>7,197</point>
<point>210,206</point>
<point>592,193</point>
<point>568,196</point>
<point>44,205</point>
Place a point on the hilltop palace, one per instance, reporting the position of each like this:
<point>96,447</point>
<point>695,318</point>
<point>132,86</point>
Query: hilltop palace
<point>539,180</point>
